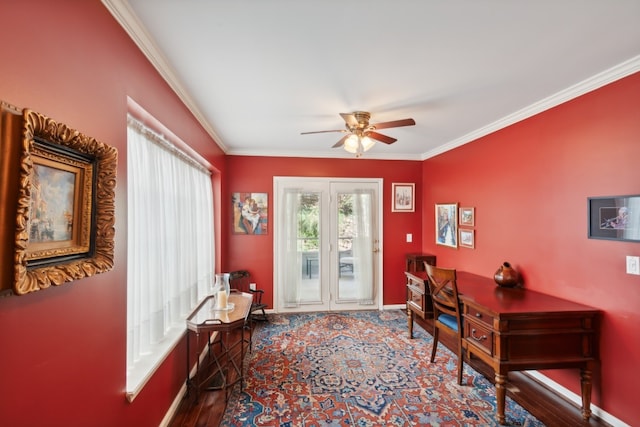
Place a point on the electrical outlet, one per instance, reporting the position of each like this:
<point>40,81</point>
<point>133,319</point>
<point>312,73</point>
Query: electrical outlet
<point>633,265</point>
<point>409,237</point>
<point>252,286</point>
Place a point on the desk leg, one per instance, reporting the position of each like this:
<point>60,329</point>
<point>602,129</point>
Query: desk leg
<point>501,394</point>
<point>242,357</point>
<point>585,382</point>
<point>410,322</point>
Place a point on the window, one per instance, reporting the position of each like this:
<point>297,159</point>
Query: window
<point>170,260</point>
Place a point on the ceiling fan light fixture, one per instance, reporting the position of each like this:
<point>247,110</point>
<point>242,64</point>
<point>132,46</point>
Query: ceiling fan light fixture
<point>367,143</point>
<point>358,144</point>
<point>361,135</point>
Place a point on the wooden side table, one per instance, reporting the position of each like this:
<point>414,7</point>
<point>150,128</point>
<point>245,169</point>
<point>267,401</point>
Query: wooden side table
<point>206,318</point>
<point>414,261</point>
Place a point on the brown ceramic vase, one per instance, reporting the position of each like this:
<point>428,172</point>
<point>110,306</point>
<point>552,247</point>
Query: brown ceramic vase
<point>506,276</point>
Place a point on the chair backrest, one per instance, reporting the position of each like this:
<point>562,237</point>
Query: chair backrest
<point>239,280</point>
<point>444,290</point>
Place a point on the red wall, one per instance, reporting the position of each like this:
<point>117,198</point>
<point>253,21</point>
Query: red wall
<point>63,350</point>
<point>529,184</point>
<point>255,253</point>
<point>62,354</point>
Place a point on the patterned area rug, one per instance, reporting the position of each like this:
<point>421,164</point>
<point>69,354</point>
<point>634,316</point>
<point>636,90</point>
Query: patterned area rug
<point>358,369</point>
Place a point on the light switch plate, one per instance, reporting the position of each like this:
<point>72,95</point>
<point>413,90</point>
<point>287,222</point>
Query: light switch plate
<point>633,265</point>
<point>409,237</point>
<point>252,286</point>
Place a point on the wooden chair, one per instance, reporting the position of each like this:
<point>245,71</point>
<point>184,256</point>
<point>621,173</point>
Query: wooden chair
<point>446,309</point>
<point>240,280</point>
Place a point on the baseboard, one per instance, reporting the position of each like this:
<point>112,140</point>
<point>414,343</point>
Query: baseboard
<point>171,412</point>
<point>574,398</point>
<point>174,406</point>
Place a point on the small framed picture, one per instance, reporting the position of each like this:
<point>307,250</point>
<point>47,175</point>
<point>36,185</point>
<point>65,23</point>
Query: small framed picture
<point>447,224</point>
<point>403,197</point>
<point>614,218</point>
<point>467,217</point>
<point>250,213</point>
<point>467,238</point>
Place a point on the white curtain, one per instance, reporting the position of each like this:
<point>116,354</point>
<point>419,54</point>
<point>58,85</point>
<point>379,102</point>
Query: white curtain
<point>292,261</point>
<point>170,263</point>
<point>363,246</point>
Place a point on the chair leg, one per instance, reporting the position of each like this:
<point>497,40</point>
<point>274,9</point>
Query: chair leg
<point>460,362</point>
<point>435,344</point>
<point>260,317</point>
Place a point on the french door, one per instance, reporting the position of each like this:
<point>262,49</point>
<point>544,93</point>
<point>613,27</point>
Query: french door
<point>326,244</point>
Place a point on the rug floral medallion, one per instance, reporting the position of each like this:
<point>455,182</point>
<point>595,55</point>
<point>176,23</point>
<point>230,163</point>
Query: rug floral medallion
<point>358,369</point>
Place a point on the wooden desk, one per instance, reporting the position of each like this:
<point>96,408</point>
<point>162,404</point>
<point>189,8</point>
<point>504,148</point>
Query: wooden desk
<point>205,318</point>
<point>415,261</point>
<point>519,329</point>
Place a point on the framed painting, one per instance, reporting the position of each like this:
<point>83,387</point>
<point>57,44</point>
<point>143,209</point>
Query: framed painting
<point>66,205</point>
<point>467,217</point>
<point>614,218</point>
<point>446,224</point>
<point>403,197</point>
<point>467,238</point>
<point>250,213</point>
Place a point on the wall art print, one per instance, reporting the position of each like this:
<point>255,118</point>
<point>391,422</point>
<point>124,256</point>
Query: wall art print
<point>467,238</point>
<point>467,217</point>
<point>403,197</point>
<point>65,205</point>
<point>614,218</point>
<point>446,224</point>
<point>250,213</point>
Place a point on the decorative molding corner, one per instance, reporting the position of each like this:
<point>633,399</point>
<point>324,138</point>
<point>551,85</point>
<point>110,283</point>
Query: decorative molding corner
<point>595,82</point>
<point>123,13</point>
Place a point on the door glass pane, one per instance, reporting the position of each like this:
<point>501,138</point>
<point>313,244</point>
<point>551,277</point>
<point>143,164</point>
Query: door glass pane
<point>346,285</point>
<point>355,243</point>
<point>309,246</point>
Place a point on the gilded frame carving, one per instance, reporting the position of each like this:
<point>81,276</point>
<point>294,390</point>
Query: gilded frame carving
<point>52,150</point>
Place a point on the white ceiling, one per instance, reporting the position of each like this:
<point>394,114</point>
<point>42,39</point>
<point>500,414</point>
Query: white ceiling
<point>257,73</point>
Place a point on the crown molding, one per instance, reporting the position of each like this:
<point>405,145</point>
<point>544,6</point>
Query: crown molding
<point>123,13</point>
<point>611,75</point>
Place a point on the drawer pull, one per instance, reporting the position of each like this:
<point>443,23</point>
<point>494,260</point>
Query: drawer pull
<point>480,338</point>
<point>478,315</point>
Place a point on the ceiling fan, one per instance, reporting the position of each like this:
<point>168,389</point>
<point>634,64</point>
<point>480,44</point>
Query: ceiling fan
<point>361,135</point>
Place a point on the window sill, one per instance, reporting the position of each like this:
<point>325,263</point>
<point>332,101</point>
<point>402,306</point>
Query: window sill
<point>141,372</point>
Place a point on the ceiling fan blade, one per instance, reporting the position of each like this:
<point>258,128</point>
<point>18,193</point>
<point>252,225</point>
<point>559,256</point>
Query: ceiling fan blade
<point>380,137</point>
<point>349,119</point>
<point>324,131</point>
<point>394,124</point>
<point>341,142</point>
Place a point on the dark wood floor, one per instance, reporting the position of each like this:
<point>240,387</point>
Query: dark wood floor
<point>551,409</point>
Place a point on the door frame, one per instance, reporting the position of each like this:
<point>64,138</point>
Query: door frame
<point>378,273</point>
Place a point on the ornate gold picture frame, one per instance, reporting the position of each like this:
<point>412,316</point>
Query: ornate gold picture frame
<point>65,221</point>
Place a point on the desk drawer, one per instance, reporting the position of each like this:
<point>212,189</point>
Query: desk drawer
<point>416,300</point>
<point>478,335</point>
<point>479,315</point>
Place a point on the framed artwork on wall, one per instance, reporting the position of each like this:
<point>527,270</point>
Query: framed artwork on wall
<point>446,224</point>
<point>66,205</point>
<point>467,217</point>
<point>250,213</point>
<point>614,218</point>
<point>467,238</point>
<point>403,197</point>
